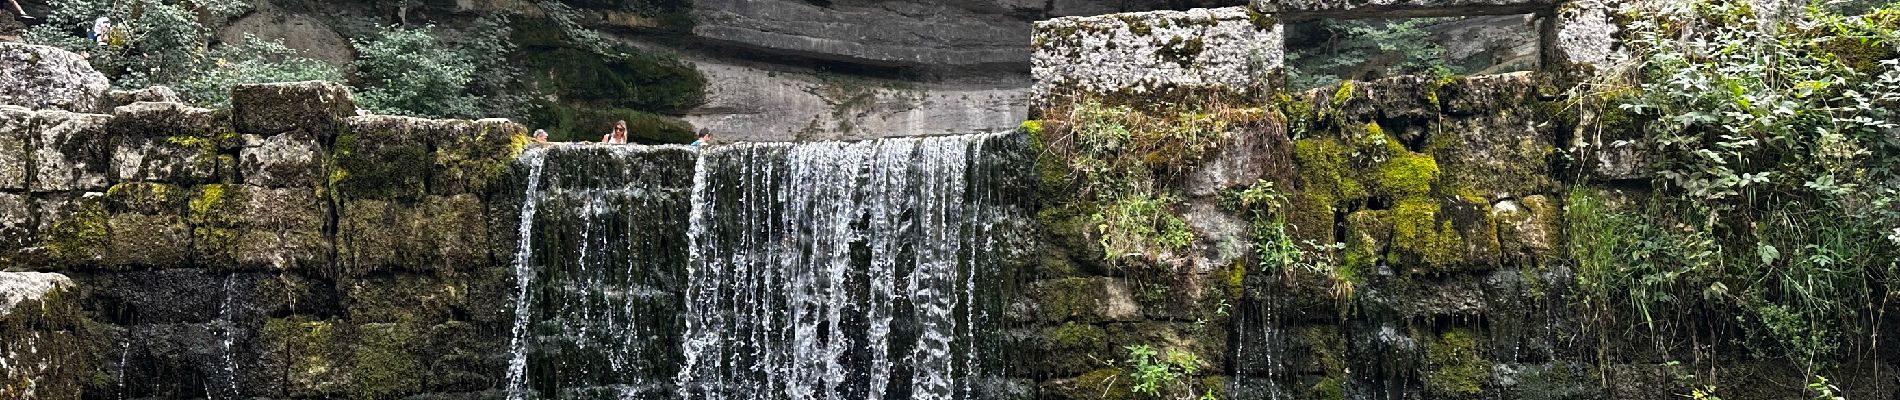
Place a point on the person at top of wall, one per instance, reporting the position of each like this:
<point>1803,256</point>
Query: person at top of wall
<point>705,138</point>
<point>540,136</point>
<point>618,136</point>
<point>101,30</point>
<point>22,11</point>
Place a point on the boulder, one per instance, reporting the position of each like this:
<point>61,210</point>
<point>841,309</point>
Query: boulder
<point>42,77</point>
<point>154,94</point>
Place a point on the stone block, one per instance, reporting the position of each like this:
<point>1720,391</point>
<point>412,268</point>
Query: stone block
<point>72,229</point>
<point>468,155</point>
<point>272,108</point>
<point>440,233</point>
<point>408,298</point>
<point>1083,299</point>
<point>250,228</point>
<point>16,147</point>
<point>1151,53</point>
<point>385,360</point>
<point>155,94</point>
<point>49,347</point>
<point>167,142</point>
<point>385,157</point>
<point>1586,35</point>
<point>148,241</point>
<point>45,77</point>
<point>1528,229</point>
<point>291,159</point>
<point>310,352</point>
<point>73,152</point>
<point>17,228</point>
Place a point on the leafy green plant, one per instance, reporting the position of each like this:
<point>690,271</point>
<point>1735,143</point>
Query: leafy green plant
<point>1169,376</point>
<point>1117,156</point>
<point>1772,148</point>
<point>252,61</point>
<point>405,71</point>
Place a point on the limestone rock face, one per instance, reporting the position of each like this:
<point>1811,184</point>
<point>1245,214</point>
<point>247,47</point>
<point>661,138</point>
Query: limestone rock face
<point>879,33</point>
<point>72,151</point>
<point>1141,53</point>
<point>278,108</point>
<point>41,77</point>
<point>745,103</point>
<point>156,94</point>
<point>17,287</point>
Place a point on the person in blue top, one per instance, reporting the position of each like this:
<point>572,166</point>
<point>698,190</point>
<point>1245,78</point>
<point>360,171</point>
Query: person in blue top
<point>705,138</point>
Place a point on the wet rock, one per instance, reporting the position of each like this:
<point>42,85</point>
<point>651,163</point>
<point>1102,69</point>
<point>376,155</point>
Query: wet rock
<point>272,108</point>
<point>470,154</point>
<point>73,151</point>
<point>72,229</point>
<point>1527,229</point>
<point>1092,299</point>
<point>404,298</point>
<point>41,77</point>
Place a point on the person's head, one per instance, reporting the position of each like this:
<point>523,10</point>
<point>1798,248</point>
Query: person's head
<point>541,135</point>
<point>705,133</point>
<point>620,128</point>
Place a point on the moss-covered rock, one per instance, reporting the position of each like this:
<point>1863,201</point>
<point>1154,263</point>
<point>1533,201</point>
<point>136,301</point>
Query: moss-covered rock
<point>385,361</point>
<point>1454,365</point>
<point>271,108</point>
<point>1100,384</point>
<point>1083,299</point>
<point>73,152</point>
<point>383,157</point>
<point>250,228</point>
<point>16,146</point>
<point>1072,348</point>
<point>51,348</point>
<point>405,298</point>
<point>77,235</point>
<point>309,351</point>
<point>168,142</point>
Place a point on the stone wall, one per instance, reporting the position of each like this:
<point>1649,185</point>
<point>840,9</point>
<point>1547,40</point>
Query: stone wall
<point>1437,205</point>
<point>283,248</point>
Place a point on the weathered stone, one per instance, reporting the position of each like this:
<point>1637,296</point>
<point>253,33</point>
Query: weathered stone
<point>1586,34</point>
<point>385,157</point>
<point>913,33</point>
<point>309,36</point>
<point>745,103</point>
<point>1496,155</point>
<point>470,154</point>
<point>73,151</point>
<point>406,298</point>
<point>310,352</point>
<point>73,230</point>
<point>255,228</point>
<point>17,227</point>
<point>292,159</point>
<point>1088,300</point>
<point>1527,229</point>
<point>18,287</point>
<point>16,147</point>
<point>154,94</point>
<point>1401,8</point>
<point>49,349</point>
<point>272,108</point>
<point>385,360</point>
<point>167,142</point>
<point>441,234</point>
<point>1223,49</point>
<point>42,77</point>
<point>1102,384</point>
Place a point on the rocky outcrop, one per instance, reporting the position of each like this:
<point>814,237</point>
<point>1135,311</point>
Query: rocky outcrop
<point>1150,54</point>
<point>747,102</point>
<point>46,343</point>
<point>41,77</point>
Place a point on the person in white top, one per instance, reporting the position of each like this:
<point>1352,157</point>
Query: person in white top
<point>101,30</point>
<point>618,136</point>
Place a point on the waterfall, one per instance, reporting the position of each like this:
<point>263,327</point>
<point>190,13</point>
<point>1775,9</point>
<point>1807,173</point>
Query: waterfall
<point>863,270</point>
<point>524,276</point>
<point>843,270</point>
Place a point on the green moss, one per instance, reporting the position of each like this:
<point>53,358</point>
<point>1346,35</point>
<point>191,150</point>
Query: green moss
<point>1455,366</point>
<point>385,363</point>
<point>1326,349</point>
<point>145,198</point>
<point>1077,338</point>
<point>1324,168</point>
<point>80,237</point>
<point>1260,20</point>
<point>1103,384</point>
<point>308,347</point>
<point>1136,24</point>
<point>1343,94</point>
<point>1423,238</point>
<point>1407,175</point>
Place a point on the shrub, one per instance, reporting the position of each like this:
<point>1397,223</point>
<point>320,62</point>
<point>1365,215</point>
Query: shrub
<point>406,71</point>
<point>253,61</point>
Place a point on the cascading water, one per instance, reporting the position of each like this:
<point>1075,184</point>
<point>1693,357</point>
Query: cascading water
<point>602,259</point>
<point>765,271</point>
<point>845,270</point>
